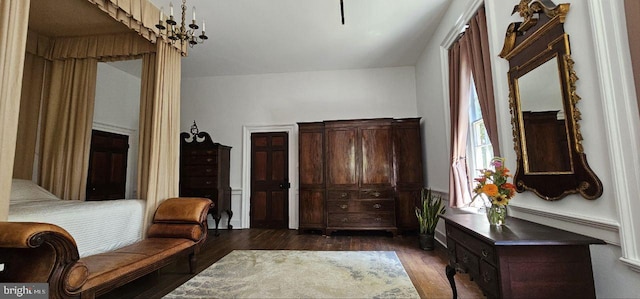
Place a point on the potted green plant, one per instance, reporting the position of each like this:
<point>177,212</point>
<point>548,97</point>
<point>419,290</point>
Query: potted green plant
<point>428,216</point>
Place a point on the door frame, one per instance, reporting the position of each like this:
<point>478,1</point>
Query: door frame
<point>291,130</point>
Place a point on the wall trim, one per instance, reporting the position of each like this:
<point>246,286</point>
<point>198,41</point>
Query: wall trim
<point>292,131</point>
<point>114,128</point>
<point>621,120</point>
<point>581,220</point>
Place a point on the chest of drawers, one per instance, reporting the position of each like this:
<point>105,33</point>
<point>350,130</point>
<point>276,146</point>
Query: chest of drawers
<point>204,172</point>
<point>519,259</point>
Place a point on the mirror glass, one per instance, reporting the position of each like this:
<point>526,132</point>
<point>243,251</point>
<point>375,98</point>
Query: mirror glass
<point>543,130</point>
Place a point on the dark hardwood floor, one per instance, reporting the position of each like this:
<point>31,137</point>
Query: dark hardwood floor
<point>426,268</point>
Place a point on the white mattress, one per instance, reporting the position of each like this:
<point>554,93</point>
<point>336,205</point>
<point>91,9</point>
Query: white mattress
<point>97,226</point>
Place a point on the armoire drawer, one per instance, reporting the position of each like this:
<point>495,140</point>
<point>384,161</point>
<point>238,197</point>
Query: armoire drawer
<point>361,220</point>
<point>376,193</point>
<point>341,194</point>
<point>361,205</point>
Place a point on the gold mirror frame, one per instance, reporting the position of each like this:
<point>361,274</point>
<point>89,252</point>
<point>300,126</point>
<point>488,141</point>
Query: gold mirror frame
<point>540,38</point>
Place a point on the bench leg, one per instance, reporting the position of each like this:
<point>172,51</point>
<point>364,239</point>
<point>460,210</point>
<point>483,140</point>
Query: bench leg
<point>192,263</point>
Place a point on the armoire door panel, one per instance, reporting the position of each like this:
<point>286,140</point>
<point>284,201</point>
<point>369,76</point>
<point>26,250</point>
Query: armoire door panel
<point>408,155</point>
<point>376,156</point>
<point>312,208</point>
<point>341,158</point>
<point>311,158</point>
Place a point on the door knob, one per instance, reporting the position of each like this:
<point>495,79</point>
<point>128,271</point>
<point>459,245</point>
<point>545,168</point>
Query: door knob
<point>285,185</point>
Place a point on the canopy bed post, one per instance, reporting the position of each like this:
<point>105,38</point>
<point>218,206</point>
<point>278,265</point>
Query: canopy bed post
<point>14,18</point>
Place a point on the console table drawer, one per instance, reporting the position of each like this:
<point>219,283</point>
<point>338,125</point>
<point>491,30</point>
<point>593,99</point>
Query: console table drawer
<point>481,249</point>
<point>488,279</point>
<point>468,261</point>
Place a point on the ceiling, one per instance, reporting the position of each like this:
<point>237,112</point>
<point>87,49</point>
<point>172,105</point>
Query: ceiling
<point>277,36</point>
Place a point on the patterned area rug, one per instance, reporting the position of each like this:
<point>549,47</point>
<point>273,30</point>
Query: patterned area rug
<point>301,274</point>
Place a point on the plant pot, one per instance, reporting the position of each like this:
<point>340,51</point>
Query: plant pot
<point>427,241</point>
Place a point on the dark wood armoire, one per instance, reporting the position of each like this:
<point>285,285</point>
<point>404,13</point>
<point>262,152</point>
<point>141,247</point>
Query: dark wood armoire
<point>204,172</point>
<point>360,174</point>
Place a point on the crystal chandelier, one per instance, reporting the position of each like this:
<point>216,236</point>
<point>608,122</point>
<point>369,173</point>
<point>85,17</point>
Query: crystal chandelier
<point>182,33</point>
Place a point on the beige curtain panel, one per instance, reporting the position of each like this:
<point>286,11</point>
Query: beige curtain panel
<point>14,18</point>
<point>160,127</point>
<point>35,78</point>
<point>67,127</point>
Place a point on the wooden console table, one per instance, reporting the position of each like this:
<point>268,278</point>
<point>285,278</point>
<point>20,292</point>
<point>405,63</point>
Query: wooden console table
<point>519,259</point>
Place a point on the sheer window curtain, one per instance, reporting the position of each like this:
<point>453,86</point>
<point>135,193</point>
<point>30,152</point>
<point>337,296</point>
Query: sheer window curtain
<point>469,56</point>
<point>14,18</point>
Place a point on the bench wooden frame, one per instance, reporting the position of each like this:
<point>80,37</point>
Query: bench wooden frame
<point>41,252</point>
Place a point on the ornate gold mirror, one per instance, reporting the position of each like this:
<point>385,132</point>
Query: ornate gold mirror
<point>542,99</point>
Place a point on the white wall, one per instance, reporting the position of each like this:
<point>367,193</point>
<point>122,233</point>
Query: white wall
<point>598,218</point>
<point>222,105</point>
<point>117,110</point>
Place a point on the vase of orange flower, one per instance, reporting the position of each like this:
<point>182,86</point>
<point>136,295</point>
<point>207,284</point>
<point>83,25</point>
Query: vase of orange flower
<point>495,188</point>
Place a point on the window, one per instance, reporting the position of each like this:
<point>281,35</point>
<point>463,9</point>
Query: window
<point>479,148</point>
<point>480,151</point>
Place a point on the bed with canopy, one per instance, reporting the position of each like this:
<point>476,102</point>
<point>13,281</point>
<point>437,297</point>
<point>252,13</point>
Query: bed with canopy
<point>49,52</point>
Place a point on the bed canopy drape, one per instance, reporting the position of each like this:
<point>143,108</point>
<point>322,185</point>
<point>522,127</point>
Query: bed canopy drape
<point>71,63</point>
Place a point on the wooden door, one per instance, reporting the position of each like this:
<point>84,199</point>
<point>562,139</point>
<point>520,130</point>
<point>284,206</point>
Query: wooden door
<point>269,180</point>
<point>107,178</point>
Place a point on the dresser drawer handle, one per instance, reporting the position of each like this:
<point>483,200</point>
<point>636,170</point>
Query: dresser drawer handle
<point>207,196</point>
<point>209,159</point>
<point>209,170</point>
<point>345,219</point>
<point>377,206</point>
<point>486,277</point>
<point>378,219</point>
<point>344,207</point>
<point>208,182</point>
<point>485,253</point>
<point>343,195</point>
<point>375,194</point>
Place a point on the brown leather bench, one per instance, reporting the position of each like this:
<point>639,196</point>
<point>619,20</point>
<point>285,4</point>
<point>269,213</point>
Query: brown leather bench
<point>41,252</point>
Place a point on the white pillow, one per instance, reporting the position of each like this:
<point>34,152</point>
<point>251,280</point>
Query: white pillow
<point>26,190</point>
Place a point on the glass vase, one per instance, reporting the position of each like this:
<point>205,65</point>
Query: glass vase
<point>496,214</point>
